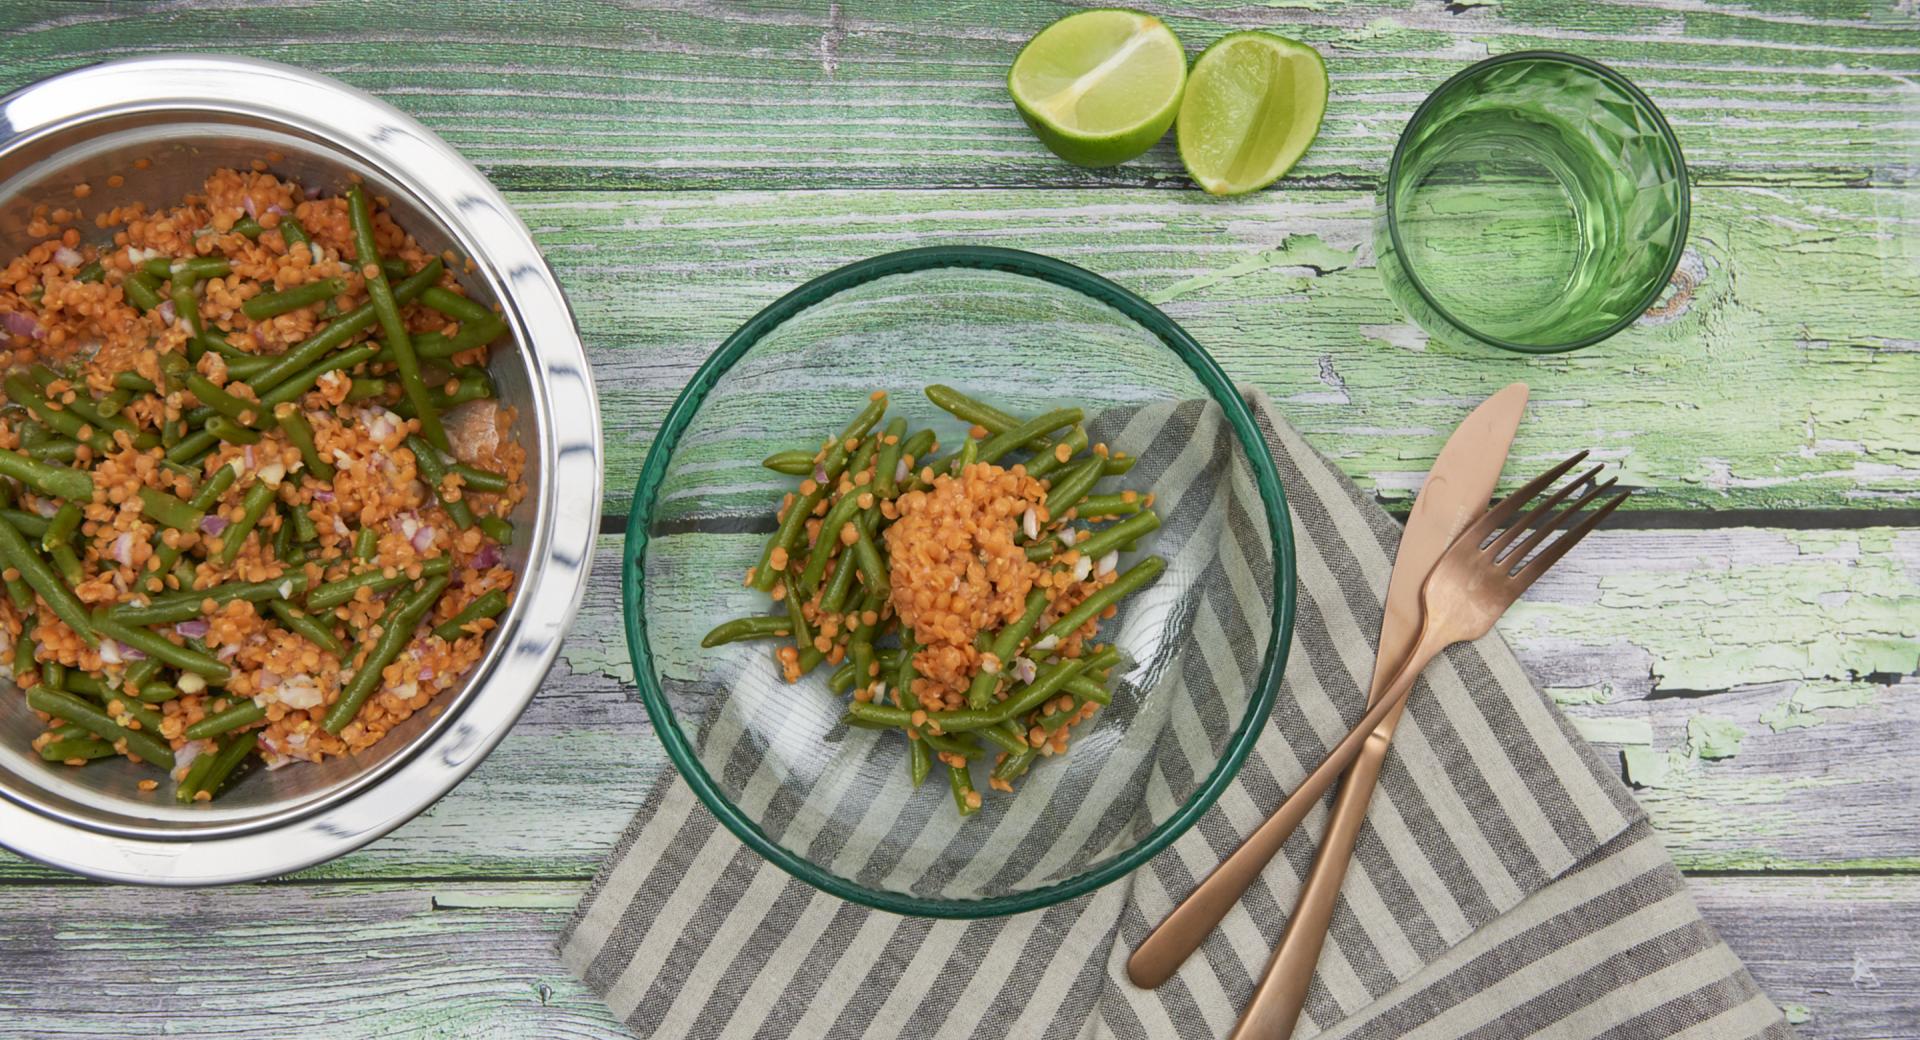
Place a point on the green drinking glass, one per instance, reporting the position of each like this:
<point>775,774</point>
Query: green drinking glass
<point>1536,202</point>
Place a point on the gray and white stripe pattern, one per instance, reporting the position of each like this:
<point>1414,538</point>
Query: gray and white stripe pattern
<point>1505,883</point>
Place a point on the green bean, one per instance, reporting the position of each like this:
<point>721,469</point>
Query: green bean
<point>253,506</point>
<point>157,693</point>
<point>334,593</point>
<point>87,410</point>
<point>196,776</point>
<point>82,683</point>
<point>1006,643</point>
<point>297,386</point>
<point>1088,689</point>
<point>29,524</point>
<point>1071,487</point>
<point>58,449</point>
<point>960,781</point>
<point>293,422</point>
<point>237,715</point>
<point>397,628</point>
<point>842,678</point>
<point>1108,505</point>
<point>133,381</point>
<point>496,528</point>
<point>969,454</point>
<point>21,594</point>
<point>291,232</point>
<point>16,553</point>
<point>485,481</point>
<point>273,304</point>
<point>456,306</point>
<point>192,268</point>
<point>72,709</point>
<point>140,672</point>
<point>110,405</point>
<point>1107,540</point>
<point>67,562</point>
<point>791,528</point>
<point>169,511</point>
<point>209,492</point>
<point>24,662</point>
<point>486,605</point>
<point>474,386</point>
<point>393,327</point>
<point>1015,765</point>
<point>893,443</point>
<point>809,660</point>
<point>339,332</point>
<point>765,627</point>
<point>1117,464</point>
<point>1002,737</point>
<point>118,705</point>
<point>367,390</point>
<point>838,516</point>
<point>186,305</point>
<point>94,271</point>
<point>142,290</point>
<point>998,445</point>
<point>61,528</point>
<point>54,674</point>
<point>366,543</point>
<point>153,644</point>
<point>229,760</point>
<point>440,345</point>
<point>21,391</point>
<point>978,412</point>
<point>949,745</point>
<point>248,227</point>
<point>433,470</point>
<point>916,446</point>
<point>228,430</point>
<point>919,753</point>
<point>795,463</point>
<point>962,720</point>
<point>1135,577</point>
<point>1047,461</point>
<point>190,604</point>
<point>867,559</point>
<point>240,410</point>
<point>85,748</point>
<point>304,531</point>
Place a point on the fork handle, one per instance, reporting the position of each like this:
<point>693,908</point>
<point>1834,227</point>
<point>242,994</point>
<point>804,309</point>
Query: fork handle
<point>1188,924</point>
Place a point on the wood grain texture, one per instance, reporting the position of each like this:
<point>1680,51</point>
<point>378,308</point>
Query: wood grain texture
<point>1779,373</point>
<point>475,960</point>
<point>898,93</point>
<point>1817,794</point>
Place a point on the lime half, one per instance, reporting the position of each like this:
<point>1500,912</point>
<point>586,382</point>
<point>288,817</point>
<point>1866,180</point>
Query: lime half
<point>1253,105</point>
<point>1099,87</point>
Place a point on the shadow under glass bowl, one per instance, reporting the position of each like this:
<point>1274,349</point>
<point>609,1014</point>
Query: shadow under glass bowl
<point>149,131</point>
<point>1208,641</point>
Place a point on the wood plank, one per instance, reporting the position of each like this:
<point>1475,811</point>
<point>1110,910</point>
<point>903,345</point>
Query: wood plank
<point>450,959</point>
<point>1780,378</point>
<point>898,93</point>
<point>1778,620</point>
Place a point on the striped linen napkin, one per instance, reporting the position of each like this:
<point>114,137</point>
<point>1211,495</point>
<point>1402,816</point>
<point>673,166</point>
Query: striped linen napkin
<point>1505,883</point>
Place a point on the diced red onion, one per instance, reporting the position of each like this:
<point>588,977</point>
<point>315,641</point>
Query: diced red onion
<point>426,673</point>
<point>128,653</point>
<point>322,495</point>
<point>183,757</point>
<point>246,203</point>
<point>1109,562</point>
<point>488,556</point>
<point>165,311</point>
<point>1030,523</point>
<point>213,524</point>
<point>248,455</point>
<point>1046,644</point>
<point>312,193</point>
<point>900,471</point>
<point>196,628</point>
<point>123,549</point>
<point>66,257</point>
<point>277,209</point>
<point>318,256</point>
<point>21,324</point>
<point>1023,669</point>
<point>1068,536</point>
<point>1081,568</point>
<point>266,679</point>
<point>423,539</point>
<point>45,507</point>
<point>819,473</point>
<point>109,652</point>
<point>226,652</point>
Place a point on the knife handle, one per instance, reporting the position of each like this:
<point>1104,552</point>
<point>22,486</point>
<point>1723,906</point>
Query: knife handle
<point>1281,994</point>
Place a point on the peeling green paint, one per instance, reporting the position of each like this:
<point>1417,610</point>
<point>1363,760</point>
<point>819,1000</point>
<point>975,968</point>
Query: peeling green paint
<point>1797,1014</point>
<point>1614,730</point>
<point>1565,695</point>
<point>1711,738</point>
<point>1293,251</point>
<point>1802,708</point>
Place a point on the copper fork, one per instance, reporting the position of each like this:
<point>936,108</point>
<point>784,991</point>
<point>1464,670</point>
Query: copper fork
<point>1479,576</point>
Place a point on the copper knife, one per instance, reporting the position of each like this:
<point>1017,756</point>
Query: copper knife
<point>1457,489</point>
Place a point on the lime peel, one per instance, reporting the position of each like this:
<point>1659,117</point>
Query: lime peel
<point>1253,105</point>
<point>1100,87</point>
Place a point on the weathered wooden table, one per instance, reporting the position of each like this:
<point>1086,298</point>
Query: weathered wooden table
<point>1744,640</point>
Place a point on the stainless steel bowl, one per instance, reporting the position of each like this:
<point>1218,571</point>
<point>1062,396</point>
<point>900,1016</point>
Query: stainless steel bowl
<point>188,115</point>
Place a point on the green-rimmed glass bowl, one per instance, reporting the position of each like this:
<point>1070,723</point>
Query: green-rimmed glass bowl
<point>1208,641</point>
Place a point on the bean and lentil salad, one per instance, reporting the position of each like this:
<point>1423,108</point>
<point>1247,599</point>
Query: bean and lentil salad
<point>957,598</point>
<point>253,484</point>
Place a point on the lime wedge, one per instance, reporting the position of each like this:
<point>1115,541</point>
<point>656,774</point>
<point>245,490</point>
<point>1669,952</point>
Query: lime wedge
<point>1100,87</point>
<point>1252,107</point>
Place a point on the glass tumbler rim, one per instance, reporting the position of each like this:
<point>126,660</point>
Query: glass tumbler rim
<point>1640,99</point>
<point>1260,699</point>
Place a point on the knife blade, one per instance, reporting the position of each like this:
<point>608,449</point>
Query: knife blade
<point>1456,491</point>
<point>1458,488</point>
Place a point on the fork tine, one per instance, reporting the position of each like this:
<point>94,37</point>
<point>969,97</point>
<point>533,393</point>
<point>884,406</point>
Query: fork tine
<point>1506,507</point>
<point>1546,528</point>
<point>1552,553</point>
<point>1533,515</point>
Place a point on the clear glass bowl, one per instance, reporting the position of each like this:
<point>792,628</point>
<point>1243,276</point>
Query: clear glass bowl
<point>833,805</point>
